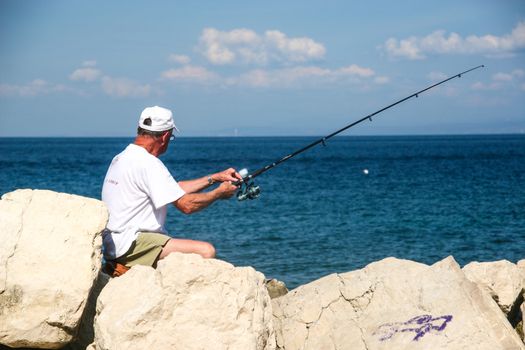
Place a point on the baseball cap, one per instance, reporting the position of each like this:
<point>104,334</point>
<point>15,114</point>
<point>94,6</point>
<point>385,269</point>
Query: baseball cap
<point>161,119</point>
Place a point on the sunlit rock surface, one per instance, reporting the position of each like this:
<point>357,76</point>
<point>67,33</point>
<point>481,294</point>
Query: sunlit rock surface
<point>50,257</point>
<point>503,280</point>
<point>187,303</point>
<point>392,304</point>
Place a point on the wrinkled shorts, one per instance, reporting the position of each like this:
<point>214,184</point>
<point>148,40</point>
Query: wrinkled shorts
<point>145,250</point>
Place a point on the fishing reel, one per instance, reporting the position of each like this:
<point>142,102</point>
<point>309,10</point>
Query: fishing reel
<point>248,191</point>
<point>248,188</point>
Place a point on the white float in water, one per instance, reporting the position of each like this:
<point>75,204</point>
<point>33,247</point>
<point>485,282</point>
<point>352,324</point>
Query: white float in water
<point>365,171</point>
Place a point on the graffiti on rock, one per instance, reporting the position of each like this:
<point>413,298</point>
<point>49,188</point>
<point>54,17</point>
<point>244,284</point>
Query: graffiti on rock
<point>420,325</point>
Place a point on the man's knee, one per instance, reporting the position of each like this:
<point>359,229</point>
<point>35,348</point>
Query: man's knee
<point>208,251</point>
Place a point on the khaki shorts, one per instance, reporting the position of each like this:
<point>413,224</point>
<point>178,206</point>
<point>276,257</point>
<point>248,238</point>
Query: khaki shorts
<point>145,250</point>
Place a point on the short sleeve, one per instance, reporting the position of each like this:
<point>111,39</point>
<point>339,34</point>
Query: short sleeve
<point>160,185</point>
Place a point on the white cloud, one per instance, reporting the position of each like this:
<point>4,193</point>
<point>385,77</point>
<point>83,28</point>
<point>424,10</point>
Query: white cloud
<point>305,75</point>
<point>486,86</point>
<point>502,77</point>
<point>123,87</point>
<point>33,88</point>
<point>302,72</point>
<point>403,48</point>
<point>506,77</point>
<point>254,78</point>
<point>190,74</point>
<point>120,87</point>
<point>439,42</point>
<point>381,80</point>
<point>356,70</point>
<point>502,80</point>
<point>246,46</point>
<point>87,74</point>
<point>215,44</point>
<point>179,59</point>
<point>294,49</point>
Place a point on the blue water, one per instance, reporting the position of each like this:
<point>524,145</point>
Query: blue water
<point>425,197</point>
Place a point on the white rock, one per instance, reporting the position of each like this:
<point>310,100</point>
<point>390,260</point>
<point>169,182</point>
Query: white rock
<point>521,265</point>
<point>502,279</point>
<point>49,259</point>
<point>392,304</point>
<point>187,303</point>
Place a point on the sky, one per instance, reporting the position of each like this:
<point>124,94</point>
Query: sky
<point>272,68</point>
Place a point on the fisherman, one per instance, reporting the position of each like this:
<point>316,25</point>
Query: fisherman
<point>137,190</point>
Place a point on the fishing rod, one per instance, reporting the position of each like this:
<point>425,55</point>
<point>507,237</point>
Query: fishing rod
<point>248,188</point>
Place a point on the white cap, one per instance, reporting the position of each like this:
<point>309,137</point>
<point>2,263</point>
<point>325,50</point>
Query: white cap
<point>161,119</point>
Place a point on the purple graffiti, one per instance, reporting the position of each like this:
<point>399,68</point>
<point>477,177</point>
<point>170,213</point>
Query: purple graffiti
<point>421,325</point>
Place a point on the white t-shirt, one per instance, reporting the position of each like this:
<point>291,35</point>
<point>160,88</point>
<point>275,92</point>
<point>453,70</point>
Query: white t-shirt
<point>137,189</point>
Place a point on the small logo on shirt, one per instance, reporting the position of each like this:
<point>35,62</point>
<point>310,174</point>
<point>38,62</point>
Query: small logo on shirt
<point>113,182</point>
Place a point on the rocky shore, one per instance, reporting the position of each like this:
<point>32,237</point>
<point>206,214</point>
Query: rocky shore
<point>53,295</point>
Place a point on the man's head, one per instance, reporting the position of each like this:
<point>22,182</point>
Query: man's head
<point>156,124</point>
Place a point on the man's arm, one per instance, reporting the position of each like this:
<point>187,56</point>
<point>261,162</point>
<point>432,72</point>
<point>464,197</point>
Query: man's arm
<point>193,202</point>
<point>197,185</point>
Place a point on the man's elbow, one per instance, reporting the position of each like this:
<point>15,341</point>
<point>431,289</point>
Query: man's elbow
<point>184,207</point>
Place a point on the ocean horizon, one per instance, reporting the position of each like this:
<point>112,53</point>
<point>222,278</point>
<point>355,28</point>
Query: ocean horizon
<point>181,136</point>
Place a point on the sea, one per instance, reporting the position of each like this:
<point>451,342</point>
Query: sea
<point>334,208</point>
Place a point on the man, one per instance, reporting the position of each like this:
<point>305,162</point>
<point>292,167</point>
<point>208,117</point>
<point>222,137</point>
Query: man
<point>138,189</point>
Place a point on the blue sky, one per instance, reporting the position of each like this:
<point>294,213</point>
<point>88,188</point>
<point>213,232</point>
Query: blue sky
<point>225,68</point>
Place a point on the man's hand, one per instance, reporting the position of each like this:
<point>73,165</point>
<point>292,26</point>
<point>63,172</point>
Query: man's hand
<point>226,190</point>
<point>227,175</point>
<point>197,185</point>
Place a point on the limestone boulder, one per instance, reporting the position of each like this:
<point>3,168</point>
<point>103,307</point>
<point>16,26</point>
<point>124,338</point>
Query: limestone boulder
<point>186,303</point>
<point>503,280</point>
<point>50,257</point>
<point>392,304</point>
<point>521,265</point>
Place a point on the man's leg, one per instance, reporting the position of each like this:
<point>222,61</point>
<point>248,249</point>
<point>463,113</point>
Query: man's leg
<point>204,249</point>
<point>145,250</point>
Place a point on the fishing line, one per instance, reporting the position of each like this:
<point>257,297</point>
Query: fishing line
<point>248,188</point>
